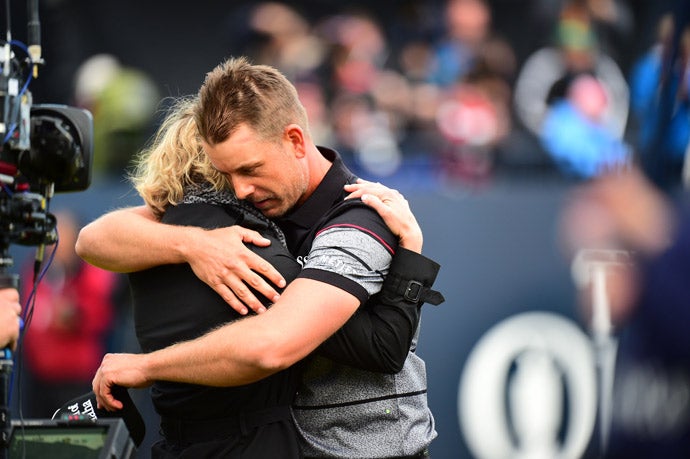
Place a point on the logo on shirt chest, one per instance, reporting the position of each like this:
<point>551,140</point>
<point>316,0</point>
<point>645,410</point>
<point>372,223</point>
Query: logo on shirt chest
<point>302,260</point>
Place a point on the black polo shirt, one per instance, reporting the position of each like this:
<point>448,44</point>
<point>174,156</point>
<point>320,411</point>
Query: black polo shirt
<point>325,213</point>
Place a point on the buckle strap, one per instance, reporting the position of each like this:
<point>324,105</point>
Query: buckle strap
<point>414,291</point>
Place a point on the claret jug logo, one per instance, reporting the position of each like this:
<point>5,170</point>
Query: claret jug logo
<point>529,390</point>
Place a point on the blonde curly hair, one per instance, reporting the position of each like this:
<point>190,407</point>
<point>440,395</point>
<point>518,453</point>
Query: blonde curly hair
<point>174,160</point>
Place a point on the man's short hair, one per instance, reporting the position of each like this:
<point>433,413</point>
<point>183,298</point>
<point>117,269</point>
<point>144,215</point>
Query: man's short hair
<point>237,92</point>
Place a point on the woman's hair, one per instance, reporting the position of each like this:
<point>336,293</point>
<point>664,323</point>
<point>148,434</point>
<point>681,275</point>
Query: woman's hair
<point>174,160</point>
<point>237,92</point>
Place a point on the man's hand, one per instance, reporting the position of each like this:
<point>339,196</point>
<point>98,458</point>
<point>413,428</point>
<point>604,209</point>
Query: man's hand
<point>118,369</point>
<point>220,259</point>
<point>393,209</point>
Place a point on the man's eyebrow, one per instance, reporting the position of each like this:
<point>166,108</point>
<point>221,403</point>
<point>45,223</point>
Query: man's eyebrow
<point>248,166</point>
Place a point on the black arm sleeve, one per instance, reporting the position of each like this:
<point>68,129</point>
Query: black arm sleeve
<point>379,335</point>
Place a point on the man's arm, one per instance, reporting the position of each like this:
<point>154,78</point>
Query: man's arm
<point>379,336</point>
<point>132,239</point>
<point>307,313</point>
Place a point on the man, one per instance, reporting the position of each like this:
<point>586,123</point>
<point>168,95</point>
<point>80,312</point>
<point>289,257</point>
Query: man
<point>255,131</point>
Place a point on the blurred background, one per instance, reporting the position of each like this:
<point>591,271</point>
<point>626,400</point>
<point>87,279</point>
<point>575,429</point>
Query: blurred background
<point>521,132</point>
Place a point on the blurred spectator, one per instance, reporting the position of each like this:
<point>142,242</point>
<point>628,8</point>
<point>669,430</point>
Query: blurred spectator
<point>357,51</point>
<point>467,27</point>
<point>123,102</point>
<point>612,21</point>
<point>313,96</point>
<point>473,69</point>
<point>420,137</point>
<point>648,307</point>
<point>614,25</point>
<point>68,326</point>
<point>578,45</point>
<point>369,102</point>
<point>283,38</point>
<point>473,119</point>
<point>546,75</point>
<point>660,103</point>
<point>575,136</point>
<point>364,135</point>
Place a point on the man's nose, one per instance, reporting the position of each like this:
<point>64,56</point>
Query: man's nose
<point>243,189</point>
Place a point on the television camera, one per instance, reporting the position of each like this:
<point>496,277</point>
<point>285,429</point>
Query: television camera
<point>46,148</point>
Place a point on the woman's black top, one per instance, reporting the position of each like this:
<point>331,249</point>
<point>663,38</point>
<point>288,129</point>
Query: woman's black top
<point>171,305</point>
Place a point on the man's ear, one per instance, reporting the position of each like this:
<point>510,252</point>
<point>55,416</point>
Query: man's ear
<point>294,135</point>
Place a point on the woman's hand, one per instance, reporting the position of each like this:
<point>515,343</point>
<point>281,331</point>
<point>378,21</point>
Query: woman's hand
<point>393,209</point>
<point>220,259</point>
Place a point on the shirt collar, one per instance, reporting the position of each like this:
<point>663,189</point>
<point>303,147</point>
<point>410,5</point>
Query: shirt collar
<point>329,192</point>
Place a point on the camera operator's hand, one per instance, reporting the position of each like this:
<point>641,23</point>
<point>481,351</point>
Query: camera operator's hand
<point>10,317</point>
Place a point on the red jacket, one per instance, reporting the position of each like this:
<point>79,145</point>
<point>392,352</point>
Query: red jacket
<point>66,338</point>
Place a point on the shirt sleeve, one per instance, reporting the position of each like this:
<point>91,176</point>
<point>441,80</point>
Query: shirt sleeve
<point>358,253</point>
<point>352,252</point>
<point>380,335</point>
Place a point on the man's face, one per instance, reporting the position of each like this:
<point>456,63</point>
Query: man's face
<point>267,174</point>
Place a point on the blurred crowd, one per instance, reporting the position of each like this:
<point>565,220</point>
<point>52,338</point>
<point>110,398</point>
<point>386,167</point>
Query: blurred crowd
<point>438,94</point>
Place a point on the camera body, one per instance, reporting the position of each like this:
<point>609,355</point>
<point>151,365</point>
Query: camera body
<point>46,148</point>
